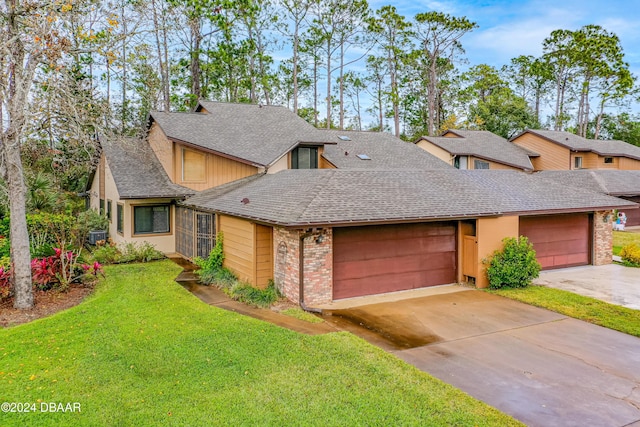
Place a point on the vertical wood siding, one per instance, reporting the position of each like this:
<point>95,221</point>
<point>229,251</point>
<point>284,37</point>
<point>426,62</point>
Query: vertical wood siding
<point>552,156</point>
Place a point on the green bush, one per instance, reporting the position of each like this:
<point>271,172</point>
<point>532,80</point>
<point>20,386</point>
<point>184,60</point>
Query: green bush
<point>215,259</point>
<point>630,255</point>
<point>247,294</point>
<point>130,252</point>
<point>515,266</point>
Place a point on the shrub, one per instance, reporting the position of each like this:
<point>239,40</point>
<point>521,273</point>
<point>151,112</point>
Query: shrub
<point>6,288</point>
<point>630,255</point>
<point>109,253</point>
<point>247,294</point>
<point>91,220</point>
<point>215,259</point>
<point>515,266</point>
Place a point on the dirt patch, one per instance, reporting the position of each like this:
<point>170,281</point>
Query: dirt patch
<point>46,304</point>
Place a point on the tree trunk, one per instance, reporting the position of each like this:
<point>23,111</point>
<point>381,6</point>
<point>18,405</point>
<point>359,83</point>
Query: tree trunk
<point>196,90</point>
<point>341,87</point>
<point>329,84</point>
<point>160,45</point>
<point>296,42</point>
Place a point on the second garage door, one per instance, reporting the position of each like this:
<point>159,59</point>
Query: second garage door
<point>559,240</point>
<point>377,259</point>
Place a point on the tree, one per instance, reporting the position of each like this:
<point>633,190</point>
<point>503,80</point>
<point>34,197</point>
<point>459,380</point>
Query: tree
<point>296,12</point>
<point>29,39</point>
<point>559,55</point>
<point>394,36</point>
<point>439,36</point>
<point>530,78</point>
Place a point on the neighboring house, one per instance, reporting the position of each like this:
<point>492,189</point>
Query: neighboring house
<point>324,235</point>
<point>222,143</point>
<point>135,193</point>
<point>476,149</point>
<point>622,184</point>
<point>555,150</point>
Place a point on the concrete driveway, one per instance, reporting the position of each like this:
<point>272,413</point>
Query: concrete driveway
<point>612,283</point>
<point>538,366</point>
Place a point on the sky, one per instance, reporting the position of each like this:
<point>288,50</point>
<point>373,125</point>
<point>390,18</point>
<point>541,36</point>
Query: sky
<point>508,29</point>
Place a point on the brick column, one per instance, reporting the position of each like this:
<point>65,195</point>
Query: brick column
<point>603,237</point>
<point>318,265</point>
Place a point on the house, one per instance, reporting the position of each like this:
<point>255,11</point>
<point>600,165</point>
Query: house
<point>133,191</point>
<point>476,149</point>
<point>324,235</point>
<point>555,150</point>
<point>220,143</point>
<point>622,184</point>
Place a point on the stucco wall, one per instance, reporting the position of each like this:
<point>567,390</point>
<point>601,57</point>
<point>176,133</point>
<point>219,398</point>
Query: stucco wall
<point>490,232</point>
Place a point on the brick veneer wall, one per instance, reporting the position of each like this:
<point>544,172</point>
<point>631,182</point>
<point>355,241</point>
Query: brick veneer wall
<point>318,265</point>
<point>602,237</point>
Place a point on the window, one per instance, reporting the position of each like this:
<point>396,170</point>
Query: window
<point>577,162</point>
<point>101,206</point>
<point>479,164</point>
<point>109,208</point>
<point>193,165</point>
<point>120,218</point>
<point>304,158</point>
<point>608,160</point>
<point>151,219</point>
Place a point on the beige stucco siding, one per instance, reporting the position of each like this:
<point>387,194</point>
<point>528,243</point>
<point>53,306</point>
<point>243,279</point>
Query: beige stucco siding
<point>280,165</point>
<point>552,156</point>
<point>490,232</point>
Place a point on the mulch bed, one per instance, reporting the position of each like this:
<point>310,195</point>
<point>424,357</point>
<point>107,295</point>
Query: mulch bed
<point>46,304</point>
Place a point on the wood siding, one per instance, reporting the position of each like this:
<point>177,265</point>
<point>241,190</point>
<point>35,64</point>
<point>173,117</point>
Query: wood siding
<point>220,170</point>
<point>440,153</point>
<point>492,164</point>
<point>552,156</point>
<point>163,148</point>
<point>239,247</point>
<point>264,255</point>
<point>628,164</point>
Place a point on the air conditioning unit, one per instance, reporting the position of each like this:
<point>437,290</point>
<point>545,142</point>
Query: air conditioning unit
<point>95,236</point>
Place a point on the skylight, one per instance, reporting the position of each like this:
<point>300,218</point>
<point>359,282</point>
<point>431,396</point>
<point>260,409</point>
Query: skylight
<point>363,157</point>
<point>344,138</point>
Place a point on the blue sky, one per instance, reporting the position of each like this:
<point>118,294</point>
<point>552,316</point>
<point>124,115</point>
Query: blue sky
<point>511,28</point>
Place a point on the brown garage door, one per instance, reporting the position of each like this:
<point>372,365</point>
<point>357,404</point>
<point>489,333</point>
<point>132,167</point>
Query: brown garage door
<point>377,259</point>
<point>633,215</point>
<point>559,240</point>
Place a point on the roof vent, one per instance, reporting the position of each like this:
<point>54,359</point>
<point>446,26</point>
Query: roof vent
<point>244,201</point>
<point>363,157</point>
<point>344,138</point>
<point>346,153</point>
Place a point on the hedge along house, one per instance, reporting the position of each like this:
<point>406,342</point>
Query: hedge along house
<point>325,235</point>
<point>622,184</point>
<point>476,149</point>
<point>135,194</point>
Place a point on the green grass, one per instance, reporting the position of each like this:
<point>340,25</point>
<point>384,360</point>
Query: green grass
<point>142,351</point>
<point>601,313</point>
<point>302,315</point>
<point>623,238</point>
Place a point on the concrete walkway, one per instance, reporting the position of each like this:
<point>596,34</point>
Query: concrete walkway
<point>612,283</point>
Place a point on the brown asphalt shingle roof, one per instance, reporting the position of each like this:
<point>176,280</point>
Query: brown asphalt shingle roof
<point>339,197</point>
<point>259,135</point>
<point>485,145</point>
<point>137,172</point>
<point>611,182</point>
<point>384,150</point>
<point>577,143</point>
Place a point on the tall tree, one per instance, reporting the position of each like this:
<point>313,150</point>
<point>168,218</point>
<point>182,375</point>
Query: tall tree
<point>394,37</point>
<point>295,14</point>
<point>439,36</point>
<point>530,78</point>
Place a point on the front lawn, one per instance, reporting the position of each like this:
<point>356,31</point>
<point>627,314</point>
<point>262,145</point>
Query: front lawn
<point>623,238</point>
<point>142,351</point>
<point>592,310</point>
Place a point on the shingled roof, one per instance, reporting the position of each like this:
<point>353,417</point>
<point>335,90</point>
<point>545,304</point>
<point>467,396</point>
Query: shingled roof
<point>382,151</point>
<point>137,172</point>
<point>254,134</point>
<point>485,145</point>
<point>577,143</point>
<point>611,182</point>
<point>298,198</point>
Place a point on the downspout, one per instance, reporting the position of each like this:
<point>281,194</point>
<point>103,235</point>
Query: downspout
<point>301,275</point>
